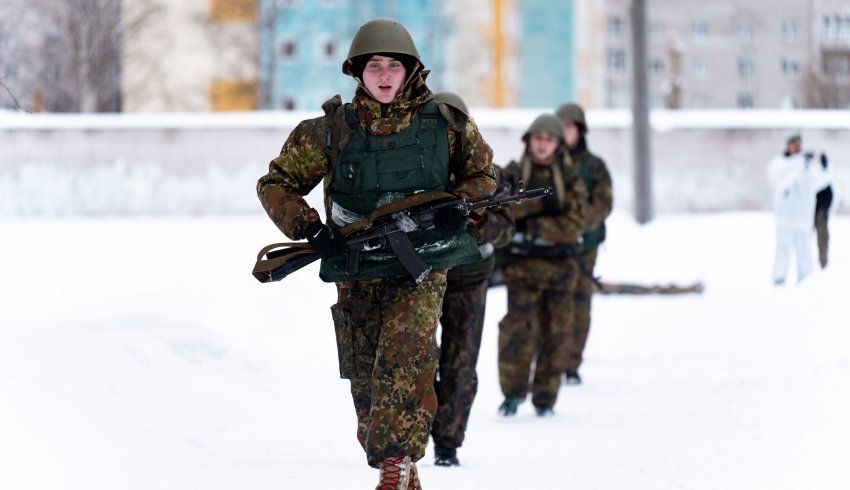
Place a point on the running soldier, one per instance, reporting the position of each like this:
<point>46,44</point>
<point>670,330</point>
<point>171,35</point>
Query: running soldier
<point>540,271</point>
<point>462,326</point>
<point>597,180</point>
<point>392,141</point>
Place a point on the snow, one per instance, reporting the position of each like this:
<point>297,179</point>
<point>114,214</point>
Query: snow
<point>141,354</point>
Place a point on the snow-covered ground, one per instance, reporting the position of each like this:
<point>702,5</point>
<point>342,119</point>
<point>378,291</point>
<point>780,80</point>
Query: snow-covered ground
<point>140,354</point>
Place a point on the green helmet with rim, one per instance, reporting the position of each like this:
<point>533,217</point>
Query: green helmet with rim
<point>572,112</point>
<point>380,36</point>
<point>545,123</point>
<point>452,99</point>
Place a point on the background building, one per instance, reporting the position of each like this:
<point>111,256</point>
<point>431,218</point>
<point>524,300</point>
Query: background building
<point>303,44</point>
<point>722,54</point>
<point>192,55</point>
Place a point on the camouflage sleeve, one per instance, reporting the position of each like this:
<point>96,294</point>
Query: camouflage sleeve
<point>497,225</point>
<point>567,226</point>
<point>293,174</point>
<point>601,197</point>
<point>476,175</point>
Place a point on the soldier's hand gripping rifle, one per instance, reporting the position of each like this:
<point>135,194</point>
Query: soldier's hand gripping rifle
<point>385,229</point>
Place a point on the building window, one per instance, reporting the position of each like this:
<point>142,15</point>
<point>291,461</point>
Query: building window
<point>745,101</point>
<point>745,67</point>
<point>700,69</point>
<point>699,31</point>
<point>617,97</point>
<point>656,66</point>
<point>329,49</point>
<point>657,30</point>
<point>699,102</point>
<point>790,31</point>
<point>789,102</point>
<point>288,50</point>
<point>615,27</point>
<point>828,31</point>
<point>790,68</point>
<point>617,62</point>
<point>233,10</point>
<point>836,27</point>
<point>745,31</point>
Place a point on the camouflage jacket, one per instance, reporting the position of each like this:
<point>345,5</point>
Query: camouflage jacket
<point>559,218</point>
<point>305,159</point>
<point>600,200</point>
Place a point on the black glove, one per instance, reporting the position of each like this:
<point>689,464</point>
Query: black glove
<point>551,204</point>
<point>448,218</point>
<point>823,161</point>
<point>323,240</point>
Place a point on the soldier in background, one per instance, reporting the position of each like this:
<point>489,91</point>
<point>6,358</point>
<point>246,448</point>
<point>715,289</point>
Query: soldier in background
<point>600,200</point>
<point>823,201</point>
<point>385,321</point>
<point>796,178</point>
<point>462,325</point>
<point>540,270</point>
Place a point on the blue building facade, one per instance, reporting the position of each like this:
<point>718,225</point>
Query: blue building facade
<point>303,44</point>
<point>547,45</point>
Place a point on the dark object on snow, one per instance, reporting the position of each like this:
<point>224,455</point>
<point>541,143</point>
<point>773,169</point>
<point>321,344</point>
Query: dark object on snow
<point>445,456</point>
<point>612,288</point>
<point>544,411</point>
<point>572,378</point>
<point>509,406</point>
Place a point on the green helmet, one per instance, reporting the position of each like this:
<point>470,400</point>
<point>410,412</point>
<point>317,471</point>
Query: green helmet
<point>380,36</point>
<point>452,99</point>
<point>795,136</point>
<point>572,112</point>
<point>545,123</point>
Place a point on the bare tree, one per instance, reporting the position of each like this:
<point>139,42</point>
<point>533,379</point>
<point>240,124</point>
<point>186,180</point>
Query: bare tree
<point>64,52</point>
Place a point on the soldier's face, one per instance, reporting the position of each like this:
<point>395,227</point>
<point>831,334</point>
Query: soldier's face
<point>383,77</point>
<point>543,146</point>
<point>795,146</point>
<point>571,132</point>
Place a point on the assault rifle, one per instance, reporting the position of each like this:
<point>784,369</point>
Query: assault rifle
<point>385,229</point>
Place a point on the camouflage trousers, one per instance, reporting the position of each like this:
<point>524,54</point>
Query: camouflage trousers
<point>581,324</point>
<point>457,381</point>
<point>387,348</point>
<point>822,229</point>
<point>537,330</point>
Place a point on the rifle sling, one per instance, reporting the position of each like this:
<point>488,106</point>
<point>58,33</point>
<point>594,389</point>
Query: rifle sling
<point>292,254</point>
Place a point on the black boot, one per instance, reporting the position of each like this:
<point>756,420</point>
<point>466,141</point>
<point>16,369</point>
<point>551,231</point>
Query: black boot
<point>445,456</point>
<point>509,406</point>
<point>573,378</point>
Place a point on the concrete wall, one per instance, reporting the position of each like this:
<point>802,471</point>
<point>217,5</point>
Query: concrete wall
<point>209,163</point>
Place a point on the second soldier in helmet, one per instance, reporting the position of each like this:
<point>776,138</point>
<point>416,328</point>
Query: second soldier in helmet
<point>540,271</point>
<point>462,323</point>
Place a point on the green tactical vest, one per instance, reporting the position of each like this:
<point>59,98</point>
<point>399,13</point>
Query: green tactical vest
<point>591,239</point>
<point>371,171</point>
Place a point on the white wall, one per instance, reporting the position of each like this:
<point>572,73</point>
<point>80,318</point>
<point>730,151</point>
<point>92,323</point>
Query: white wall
<point>209,163</point>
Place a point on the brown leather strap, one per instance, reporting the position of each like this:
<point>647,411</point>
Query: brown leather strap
<point>264,266</point>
